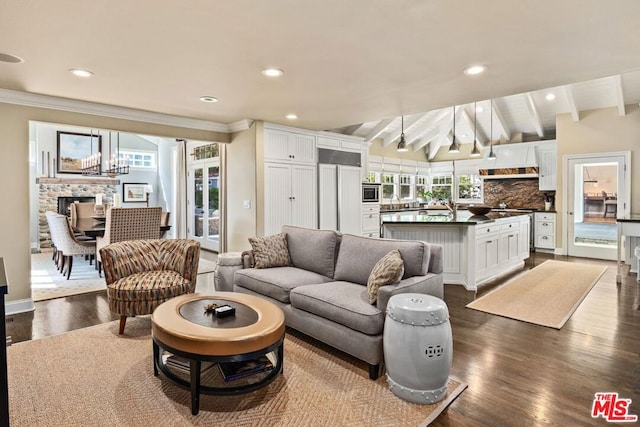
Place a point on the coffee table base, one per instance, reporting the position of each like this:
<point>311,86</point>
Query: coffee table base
<point>195,360</point>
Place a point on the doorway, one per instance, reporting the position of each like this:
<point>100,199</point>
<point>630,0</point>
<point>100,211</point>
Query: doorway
<point>597,193</point>
<point>205,213</point>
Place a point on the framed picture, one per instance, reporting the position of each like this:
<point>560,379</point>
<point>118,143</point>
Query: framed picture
<point>134,192</point>
<point>73,147</point>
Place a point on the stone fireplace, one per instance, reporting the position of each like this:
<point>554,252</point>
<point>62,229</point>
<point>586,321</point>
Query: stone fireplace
<point>69,190</point>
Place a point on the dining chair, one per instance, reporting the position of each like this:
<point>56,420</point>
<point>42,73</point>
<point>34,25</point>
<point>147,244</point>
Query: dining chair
<point>164,220</point>
<point>82,210</point>
<point>129,224</point>
<point>66,243</point>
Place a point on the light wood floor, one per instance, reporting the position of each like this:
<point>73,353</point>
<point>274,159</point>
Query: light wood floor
<point>518,374</point>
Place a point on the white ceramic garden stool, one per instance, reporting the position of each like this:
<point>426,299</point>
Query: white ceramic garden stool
<point>636,252</point>
<point>418,347</point>
<point>228,264</point>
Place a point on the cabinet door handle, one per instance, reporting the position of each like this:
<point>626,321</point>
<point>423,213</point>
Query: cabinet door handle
<point>545,224</point>
<point>489,241</point>
<point>510,235</point>
<point>545,238</point>
<point>370,216</point>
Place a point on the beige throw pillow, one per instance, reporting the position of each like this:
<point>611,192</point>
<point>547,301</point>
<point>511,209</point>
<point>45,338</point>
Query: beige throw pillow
<point>270,251</point>
<point>387,271</point>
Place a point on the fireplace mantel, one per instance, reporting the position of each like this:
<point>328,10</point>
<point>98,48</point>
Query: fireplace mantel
<point>99,181</point>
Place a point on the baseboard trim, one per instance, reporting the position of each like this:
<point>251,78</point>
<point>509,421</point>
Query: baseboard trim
<point>19,306</point>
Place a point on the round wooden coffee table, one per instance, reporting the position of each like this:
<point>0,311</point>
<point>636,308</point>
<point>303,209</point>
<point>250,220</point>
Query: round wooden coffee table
<point>181,326</point>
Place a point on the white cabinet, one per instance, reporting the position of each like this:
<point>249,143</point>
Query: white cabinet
<point>371,219</point>
<point>547,169</point>
<point>545,230</point>
<point>289,196</point>
<point>281,145</point>
<point>339,198</point>
<point>343,144</point>
<point>500,245</point>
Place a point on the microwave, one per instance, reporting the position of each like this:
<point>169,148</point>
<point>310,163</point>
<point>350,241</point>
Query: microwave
<point>370,192</point>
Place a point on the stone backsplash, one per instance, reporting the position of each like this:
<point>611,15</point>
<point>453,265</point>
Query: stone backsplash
<point>49,189</point>
<point>515,193</point>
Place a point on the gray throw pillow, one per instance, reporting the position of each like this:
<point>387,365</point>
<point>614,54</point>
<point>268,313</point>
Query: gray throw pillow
<point>387,271</point>
<point>270,251</point>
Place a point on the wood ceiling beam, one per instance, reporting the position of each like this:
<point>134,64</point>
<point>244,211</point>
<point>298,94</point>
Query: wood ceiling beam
<point>353,129</point>
<point>377,131</point>
<point>433,122</point>
<point>617,85</point>
<point>409,123</point>
<point>435,145</point>
<point>575,114</point>
<point>426,138</point>
<point>480,137</point>
<point>499,122</point>
<point>535,116</point>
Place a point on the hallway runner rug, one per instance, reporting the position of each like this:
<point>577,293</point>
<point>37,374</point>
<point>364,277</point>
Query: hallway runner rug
<point>93,377</point>
<point>546,295</point>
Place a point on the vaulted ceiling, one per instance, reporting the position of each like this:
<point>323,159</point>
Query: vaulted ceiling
<point>356,66</point>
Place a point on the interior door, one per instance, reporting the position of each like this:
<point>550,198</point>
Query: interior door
<point>597,193</point>
<point>204,212</point>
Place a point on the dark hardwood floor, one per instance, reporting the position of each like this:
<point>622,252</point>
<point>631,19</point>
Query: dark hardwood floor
<point>519,374</point>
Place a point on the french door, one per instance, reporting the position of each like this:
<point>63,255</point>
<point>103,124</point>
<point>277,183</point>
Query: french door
<point>597,193</point>
<point>205,214</point>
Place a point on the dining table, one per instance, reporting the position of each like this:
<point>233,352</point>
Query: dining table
<point>94,227</point>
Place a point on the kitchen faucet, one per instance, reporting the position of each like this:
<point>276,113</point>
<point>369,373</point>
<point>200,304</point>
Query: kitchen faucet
<point>395,196</point>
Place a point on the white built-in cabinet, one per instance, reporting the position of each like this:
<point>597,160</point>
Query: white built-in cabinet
<point>286,146</point>
<point>289,196</point>
<point>547,168</point>
<point>545,230</point>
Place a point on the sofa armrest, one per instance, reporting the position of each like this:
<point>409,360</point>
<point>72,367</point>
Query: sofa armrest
<point>435,261</point>
<point>430,284</point>
<point>247,259</point>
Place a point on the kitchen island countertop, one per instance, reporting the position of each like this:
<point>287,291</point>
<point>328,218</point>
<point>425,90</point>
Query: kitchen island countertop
<point>462,217</point>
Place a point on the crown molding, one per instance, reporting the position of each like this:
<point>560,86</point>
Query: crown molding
<point>240,125</point>
<point>104,110</point>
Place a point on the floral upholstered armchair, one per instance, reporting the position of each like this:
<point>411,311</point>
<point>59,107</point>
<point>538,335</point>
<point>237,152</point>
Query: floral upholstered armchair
<point>142,274</point>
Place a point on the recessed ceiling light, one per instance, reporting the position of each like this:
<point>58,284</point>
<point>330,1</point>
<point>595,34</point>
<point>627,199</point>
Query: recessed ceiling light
<point>12,59</point>
<point>550,97</point>
<point>208,99</point>
<point>80,73</point>
<point>272,72</point>
<point>479,109</point>
<point>475,69</point>
<point>291,116</point>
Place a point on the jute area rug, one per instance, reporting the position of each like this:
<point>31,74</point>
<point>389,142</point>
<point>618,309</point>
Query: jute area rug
<point>546,295</point>
<point>93,377</point>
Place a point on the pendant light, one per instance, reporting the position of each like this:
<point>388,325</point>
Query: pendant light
<point>453,148</point>
<point>475,152</point>
<point>402,145</point>
<point>492,155</point>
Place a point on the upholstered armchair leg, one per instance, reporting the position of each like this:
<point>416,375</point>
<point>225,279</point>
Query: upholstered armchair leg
<point>123,322</point>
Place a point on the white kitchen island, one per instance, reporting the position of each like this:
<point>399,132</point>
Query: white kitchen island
<point>477,249</point>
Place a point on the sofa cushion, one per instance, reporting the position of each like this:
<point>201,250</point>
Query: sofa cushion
<point>313,250</point>
<point>358,255</point>
<point>343,302</point>
<point>276,282</point>
<point>270,251</point>
<point>387,271</point>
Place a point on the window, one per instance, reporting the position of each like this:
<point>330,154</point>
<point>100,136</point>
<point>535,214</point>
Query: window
<point>406,187</point>
<point>422,186</point>
<point>138,159</point>
<point>442,187</point>
<point>373,177</point>
<point>469,188</point>
<point>388,181</point>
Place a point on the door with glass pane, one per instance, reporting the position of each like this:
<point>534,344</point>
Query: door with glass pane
<point>596,196</point>
<point>204,201</point>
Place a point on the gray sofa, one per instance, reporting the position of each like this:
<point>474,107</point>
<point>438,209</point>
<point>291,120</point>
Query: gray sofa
<point>324,293</point>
